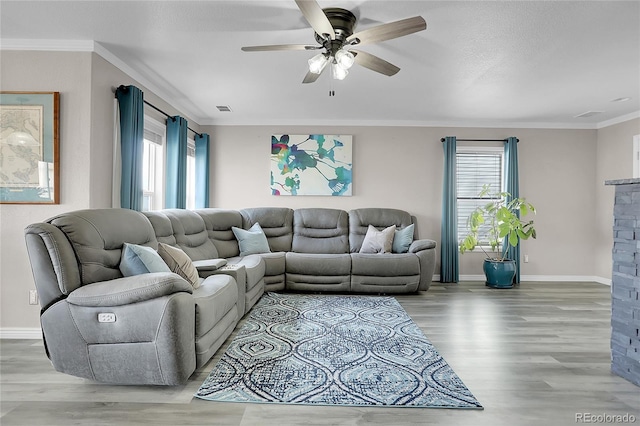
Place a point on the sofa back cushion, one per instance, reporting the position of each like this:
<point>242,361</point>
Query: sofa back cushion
<point>190,234</point>
<point>162,227</point>
<point>320,231</point>
<point>276,222</point>
<point>380,218</point>
<point>218,223</point>
<point>98,235</point>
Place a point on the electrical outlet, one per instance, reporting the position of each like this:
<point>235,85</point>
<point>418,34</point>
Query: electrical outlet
<point>526,258</point>
<point>33,297</point>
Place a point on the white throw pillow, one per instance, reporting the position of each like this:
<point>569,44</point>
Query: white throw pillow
<point>378,241</point>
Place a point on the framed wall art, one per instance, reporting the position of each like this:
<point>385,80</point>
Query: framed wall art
<point>29,151</point>
<point>311,165</point>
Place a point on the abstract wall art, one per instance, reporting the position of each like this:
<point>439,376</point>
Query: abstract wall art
<point>311,165</point>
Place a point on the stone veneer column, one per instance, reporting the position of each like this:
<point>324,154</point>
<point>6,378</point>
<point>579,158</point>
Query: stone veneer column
<point>625,284</point>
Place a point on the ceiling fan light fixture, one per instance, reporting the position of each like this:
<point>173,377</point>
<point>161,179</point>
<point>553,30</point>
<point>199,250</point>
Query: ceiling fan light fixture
<point>317,63</point>
<point>345,59</point>
<point>338,72</point>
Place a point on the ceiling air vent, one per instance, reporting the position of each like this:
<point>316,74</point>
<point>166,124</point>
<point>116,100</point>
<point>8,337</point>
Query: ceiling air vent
<point>223,108</point>
<point>588,114</point>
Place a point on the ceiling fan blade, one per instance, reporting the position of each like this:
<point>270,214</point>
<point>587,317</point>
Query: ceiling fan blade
<point>311,77</point>
<point>279,47</point>
<point>388,31</point>
<point>315,16</point>
<point>374,63</point>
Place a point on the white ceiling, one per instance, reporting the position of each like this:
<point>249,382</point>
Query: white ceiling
<point>497,63</point>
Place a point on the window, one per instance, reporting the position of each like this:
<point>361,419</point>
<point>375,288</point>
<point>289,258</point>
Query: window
<point>476,166</point>
<point>152,166</point>
<point>191,174</point>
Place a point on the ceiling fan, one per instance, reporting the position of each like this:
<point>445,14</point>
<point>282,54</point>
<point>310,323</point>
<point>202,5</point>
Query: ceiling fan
<point>334,32</point>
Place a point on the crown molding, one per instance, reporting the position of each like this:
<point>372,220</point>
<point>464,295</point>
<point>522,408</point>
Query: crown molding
<point>106,54</point>
<point>617,120</point>
<point>48,45</point>
<point>402,123</point>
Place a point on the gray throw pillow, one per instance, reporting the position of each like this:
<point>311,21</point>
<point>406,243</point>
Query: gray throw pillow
<point>180,263</point>
<point>136,260</point>
<point>403,239</point>
<point>251,241</point>
<point>378,241</point>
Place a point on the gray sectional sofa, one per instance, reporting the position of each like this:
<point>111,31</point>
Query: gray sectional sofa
<point>157,328</point>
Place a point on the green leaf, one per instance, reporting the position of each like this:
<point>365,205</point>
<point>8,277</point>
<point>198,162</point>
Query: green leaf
<point>513,239</point>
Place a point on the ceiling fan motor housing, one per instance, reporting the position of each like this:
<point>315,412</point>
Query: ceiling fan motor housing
<point>343,22</point>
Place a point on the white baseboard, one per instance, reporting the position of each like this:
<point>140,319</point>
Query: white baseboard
<point>20,333</point>
<point>541,278</point>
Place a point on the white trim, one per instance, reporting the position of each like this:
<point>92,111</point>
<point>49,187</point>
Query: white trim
<point>217,121</point>
<point>48,45</point>
<point>539,278</point>
<point>636,156</point>
<point>618,120</point>
<point>96,47</point>
<point>20,333</point>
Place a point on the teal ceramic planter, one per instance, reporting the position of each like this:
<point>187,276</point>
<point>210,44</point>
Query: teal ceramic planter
<point>499,274</point>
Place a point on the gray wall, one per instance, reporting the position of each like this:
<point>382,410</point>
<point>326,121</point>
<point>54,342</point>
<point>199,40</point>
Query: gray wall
<point>401,167</point>
<point>85,81</point>
<point>614,151</point>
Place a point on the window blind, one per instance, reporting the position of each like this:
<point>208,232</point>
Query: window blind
<point>474,170</point>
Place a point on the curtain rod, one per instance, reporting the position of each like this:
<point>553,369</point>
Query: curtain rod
<point>160,111</point>
<point>168,116</point>
<point>480,140</point>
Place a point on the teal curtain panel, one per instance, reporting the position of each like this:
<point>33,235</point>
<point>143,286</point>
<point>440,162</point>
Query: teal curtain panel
<point>449,267</point>
<point>176,171</point>
<point>202,171</point>
<point>511,185</point>
<point>131,106</point>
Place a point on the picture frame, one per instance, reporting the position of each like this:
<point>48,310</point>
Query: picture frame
<point>311,164</point>
<point>29,148</point>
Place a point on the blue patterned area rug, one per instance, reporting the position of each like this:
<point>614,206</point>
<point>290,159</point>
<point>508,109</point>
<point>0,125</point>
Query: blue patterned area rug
<point>334,350</point>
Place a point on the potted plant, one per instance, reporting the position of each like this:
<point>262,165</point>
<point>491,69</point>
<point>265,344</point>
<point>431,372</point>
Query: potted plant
<point>505,217</point>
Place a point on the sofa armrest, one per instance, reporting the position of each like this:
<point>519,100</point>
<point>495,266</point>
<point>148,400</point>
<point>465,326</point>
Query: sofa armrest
<point>239,273</point>
<point>419,245</point>
<point>209,264</point>
<point>128,290</point>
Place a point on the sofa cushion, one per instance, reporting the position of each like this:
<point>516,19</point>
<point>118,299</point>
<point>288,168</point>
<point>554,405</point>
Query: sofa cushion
<point>218,223</point>
<point>191,235</point>
<point>318,272</point>
<point>138,260</point>
<point>216,297</point>
<point>276,222</point>
<point>161,226</point>
<point>403,239</point>
<point>179,263</point>
<point>252,240</point>
<point>97,237</point>
<point>384,264</point>
<point>322,231</point>
<point>378,241</point>
<point>360,219</point>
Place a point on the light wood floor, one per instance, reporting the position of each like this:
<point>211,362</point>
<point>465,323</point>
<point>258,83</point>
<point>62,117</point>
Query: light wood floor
<point>537,354</point>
